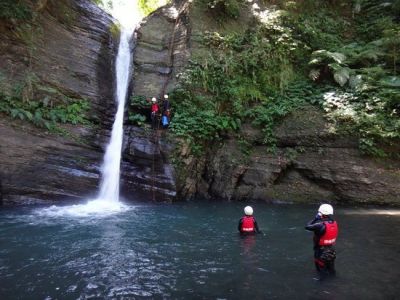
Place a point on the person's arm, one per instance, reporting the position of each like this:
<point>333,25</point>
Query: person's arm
<point>315,224</point>
<point>256,227</point>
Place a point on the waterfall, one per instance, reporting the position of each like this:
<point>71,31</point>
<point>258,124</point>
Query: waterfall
<point>109,188</point>
<point>107,202</point>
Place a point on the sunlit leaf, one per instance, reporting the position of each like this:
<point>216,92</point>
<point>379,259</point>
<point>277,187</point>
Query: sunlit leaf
<point>341,76</point>
<point>314,74</point>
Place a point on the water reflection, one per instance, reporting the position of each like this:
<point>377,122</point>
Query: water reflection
<point>247,243</point>
<point>372,212</point>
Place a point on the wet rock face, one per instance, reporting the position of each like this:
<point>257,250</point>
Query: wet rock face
<point>37,167</point>
<point>146,172</point>
<point>310,165</point>
<point>69,49</point>
<point>162,50</point>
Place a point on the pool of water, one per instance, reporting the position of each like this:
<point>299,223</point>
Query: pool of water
<point>193,251</point>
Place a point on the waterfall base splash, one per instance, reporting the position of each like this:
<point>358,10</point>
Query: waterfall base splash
<point>96,207</point>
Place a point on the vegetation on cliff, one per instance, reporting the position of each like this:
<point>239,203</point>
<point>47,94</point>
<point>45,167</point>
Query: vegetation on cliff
<point>28,97</point>
<point>341,56</point>
<point>42,105</point>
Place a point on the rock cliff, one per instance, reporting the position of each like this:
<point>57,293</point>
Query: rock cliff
<point>69,51</point>
<point>310,164</point>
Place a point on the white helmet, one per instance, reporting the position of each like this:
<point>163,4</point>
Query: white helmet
<point>248,211</point>
<point>153,99</point>
<point>166,96</point>
<point>326,209</point>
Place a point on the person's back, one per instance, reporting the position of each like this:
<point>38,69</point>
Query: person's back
<point>325,230</point>
<point>248,224</point>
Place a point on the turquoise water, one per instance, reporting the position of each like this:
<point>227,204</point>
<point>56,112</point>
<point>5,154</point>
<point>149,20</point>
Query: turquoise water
<point>192,251</point>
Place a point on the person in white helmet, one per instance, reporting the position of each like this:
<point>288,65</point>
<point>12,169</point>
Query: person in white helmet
<point>247,223</point>
<point>325,230</point>
<point>154,112</point>
<point>166,112</point>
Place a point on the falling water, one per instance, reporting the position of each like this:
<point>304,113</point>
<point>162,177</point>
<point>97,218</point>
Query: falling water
<point>128,15</point>
<point>109,189</point>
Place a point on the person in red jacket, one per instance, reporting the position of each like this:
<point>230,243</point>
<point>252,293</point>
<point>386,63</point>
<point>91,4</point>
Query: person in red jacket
<point>325,230</point>
<point>155,108</point>
<point>248,224</point>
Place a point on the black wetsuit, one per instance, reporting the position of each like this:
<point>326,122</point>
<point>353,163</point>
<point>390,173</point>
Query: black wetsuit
<point>256,230</point>
<point>324,256</point>
<point>166,105</point>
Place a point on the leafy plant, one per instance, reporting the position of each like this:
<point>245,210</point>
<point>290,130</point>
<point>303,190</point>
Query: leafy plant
<point>325,63</point>
<point>148,6</point>
<point>139,101</point>
<point>54,107</point>
<point>137,119</point>
<point>223,9</point>
<point>115,30</point>
<point>349,50</point>
<point>15,10</point>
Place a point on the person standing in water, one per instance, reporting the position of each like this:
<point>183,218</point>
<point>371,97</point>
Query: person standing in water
<point>248,224</point>
<point>325,230</point>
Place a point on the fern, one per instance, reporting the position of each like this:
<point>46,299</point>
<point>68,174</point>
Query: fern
<point>341,76</point>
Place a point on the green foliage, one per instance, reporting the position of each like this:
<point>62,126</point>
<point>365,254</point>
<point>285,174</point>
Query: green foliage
<point>115,30</point>
<point>248,77</point>
<point>318,29</point>
<point>373,17</point>
<point>148,6</point>
<point>367,68</point>
<point>15,10</point>
<point>372,113</point>
<point>53,108</point>
<point>223,9</point>
<point>325,63</point>
<point>139,101</point>
<point>245,146</point>
<point>348,48</point>
<point>23,18</point>
<point>137,119</point>
<point>41,114</point>
<point>98,2</point>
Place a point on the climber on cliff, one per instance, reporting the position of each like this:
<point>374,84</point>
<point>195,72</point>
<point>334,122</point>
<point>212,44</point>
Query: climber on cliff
<point>248,224</point>
<point>325,231</point>
<point>166,112</point>
<point>154,112</point>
